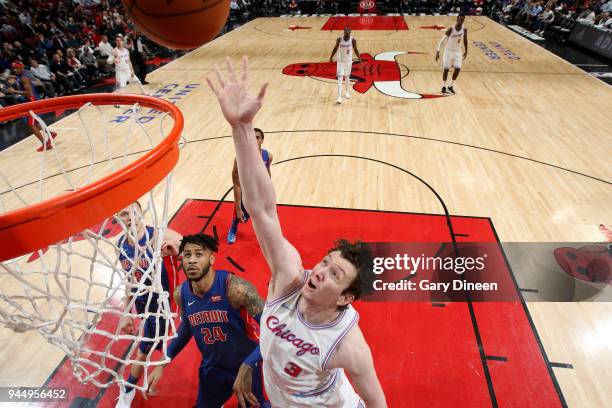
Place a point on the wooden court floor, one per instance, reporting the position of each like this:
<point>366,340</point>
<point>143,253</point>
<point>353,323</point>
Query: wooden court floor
<point>525,141</point>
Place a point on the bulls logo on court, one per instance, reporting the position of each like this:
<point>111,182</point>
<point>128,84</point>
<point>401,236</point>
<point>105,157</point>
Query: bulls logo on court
<point>380,71</point>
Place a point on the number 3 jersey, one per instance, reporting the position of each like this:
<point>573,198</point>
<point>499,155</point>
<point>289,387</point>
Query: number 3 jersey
<point>225,335</point>
<point>296,354</point>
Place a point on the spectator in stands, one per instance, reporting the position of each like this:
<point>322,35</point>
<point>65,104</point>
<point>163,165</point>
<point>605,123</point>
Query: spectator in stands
<point>42,73</point>
<point>20,52</point>
<point>106,50</point>
<point>294,8</point>
<point>524,11</point>
<point>507,9</point>
<point>25,17</point>
<point>587,16</point>
<point>87,58</point>
<point>534,11</point>
<point>8,31</point>
<point>63,73</point>
<point>246,8</point>
<point>8,53</point>
<point>552,4</point>
<point>44,48</point>
<point>77,67</point>
<point>72,41</point>
<point>543,21</point>
<point>604,21</point>
<point>4,62</point>
<point>6,99</point>
<point>10,92</point>
<point>320,7</point>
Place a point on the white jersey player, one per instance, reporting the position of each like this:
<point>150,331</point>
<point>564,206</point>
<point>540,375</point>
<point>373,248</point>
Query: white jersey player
<point>298,355</point>
<point>453,57</point>
<point>309,334</point>
<point>343,50</point>
<point>124,72</point>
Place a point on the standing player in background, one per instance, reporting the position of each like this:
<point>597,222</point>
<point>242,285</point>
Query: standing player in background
<point>240,214</point>
<point>135,258</point>
<point>344,61</point>
<point>221,311</point>
<point>28,91</point>
<point>124,71</point>
<point>309,331</point>
<point>453,37</point>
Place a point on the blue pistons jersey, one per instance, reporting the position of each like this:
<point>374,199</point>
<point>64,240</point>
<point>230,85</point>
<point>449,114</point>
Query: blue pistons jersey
<point>265,155</point>
<point>225,335</point>
<point>126,257</point>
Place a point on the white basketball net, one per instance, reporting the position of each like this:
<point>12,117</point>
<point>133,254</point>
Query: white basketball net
<point>74,292</point>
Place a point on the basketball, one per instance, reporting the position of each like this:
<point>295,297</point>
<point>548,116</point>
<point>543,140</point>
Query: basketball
<point>178,24</point>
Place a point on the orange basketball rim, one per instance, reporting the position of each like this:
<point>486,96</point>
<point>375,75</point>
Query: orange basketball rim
<point>42,224</point>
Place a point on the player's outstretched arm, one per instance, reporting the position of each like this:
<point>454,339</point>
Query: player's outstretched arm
<point>239,108</point>
<point>354,355</point>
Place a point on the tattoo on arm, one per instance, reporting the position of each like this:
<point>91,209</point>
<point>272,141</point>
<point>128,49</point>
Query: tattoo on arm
<point>242,293</point>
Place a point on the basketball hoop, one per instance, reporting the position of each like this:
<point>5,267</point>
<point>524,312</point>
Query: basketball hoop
<point>59,260</point>
<point>74,211</point>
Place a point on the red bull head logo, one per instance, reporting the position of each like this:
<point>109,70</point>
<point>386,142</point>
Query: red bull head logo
<point>381,72</point>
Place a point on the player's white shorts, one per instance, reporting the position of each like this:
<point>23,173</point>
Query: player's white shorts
<point>344,68</point>
<point>122,78</point>
<point>452,59</point>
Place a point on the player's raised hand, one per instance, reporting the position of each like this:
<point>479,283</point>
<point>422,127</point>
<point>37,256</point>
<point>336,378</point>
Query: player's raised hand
<point>171,243</point>
<point>126,325</point>
<point>243,387</point>
<point>154,378</point>
<point>237,104</point>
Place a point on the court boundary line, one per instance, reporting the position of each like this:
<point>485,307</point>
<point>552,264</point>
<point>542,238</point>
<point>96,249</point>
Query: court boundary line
<point>534,330</point>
